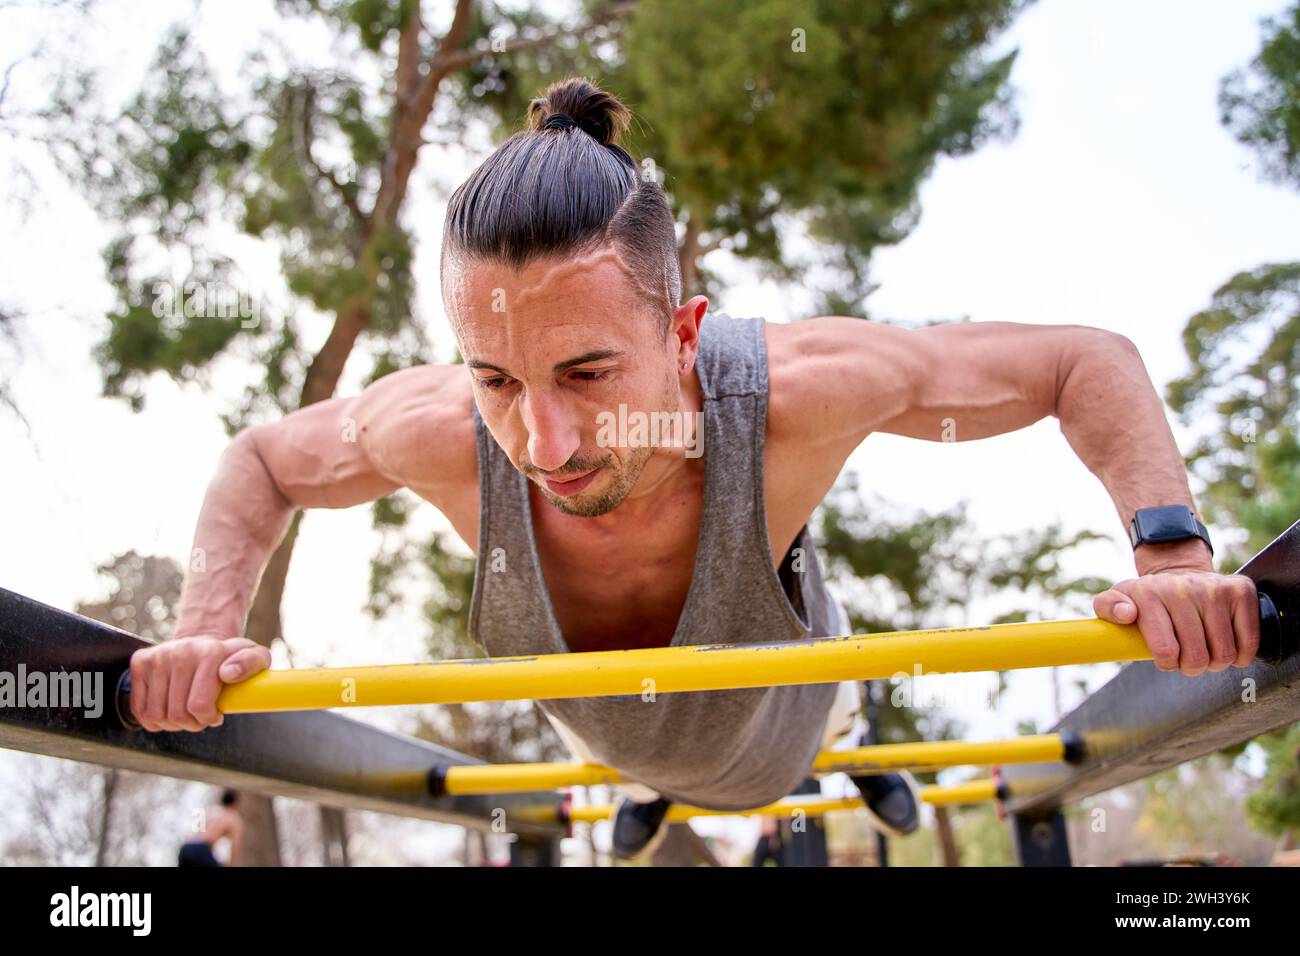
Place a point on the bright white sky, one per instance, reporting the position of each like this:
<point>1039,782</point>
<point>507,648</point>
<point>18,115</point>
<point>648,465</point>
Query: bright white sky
<point>1122,203</point>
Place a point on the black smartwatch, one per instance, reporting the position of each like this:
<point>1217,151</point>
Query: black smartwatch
<point>1166,524</point>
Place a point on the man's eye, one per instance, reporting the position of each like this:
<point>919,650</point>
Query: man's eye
<point>591,376</point>
<point>497,382</point>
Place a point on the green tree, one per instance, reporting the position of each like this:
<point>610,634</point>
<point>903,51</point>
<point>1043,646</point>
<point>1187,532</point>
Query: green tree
<point>1244,351</point>
<point>774,119</point>
<point>1260,105</point>
<point>1275,807</point>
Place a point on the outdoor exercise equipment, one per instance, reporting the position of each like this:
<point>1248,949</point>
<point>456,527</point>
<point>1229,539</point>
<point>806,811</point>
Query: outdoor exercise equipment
<point>974,791</point>
<point>917,757</point>
<point>648,672</point>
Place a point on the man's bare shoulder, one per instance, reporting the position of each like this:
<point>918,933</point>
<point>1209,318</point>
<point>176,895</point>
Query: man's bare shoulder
<point>799,356</point>
<point>417,426</point>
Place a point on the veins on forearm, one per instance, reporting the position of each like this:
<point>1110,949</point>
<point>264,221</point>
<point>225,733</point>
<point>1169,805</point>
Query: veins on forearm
<point>1115,422</point>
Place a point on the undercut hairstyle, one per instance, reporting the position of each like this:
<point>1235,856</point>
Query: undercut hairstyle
<point>563,187</point>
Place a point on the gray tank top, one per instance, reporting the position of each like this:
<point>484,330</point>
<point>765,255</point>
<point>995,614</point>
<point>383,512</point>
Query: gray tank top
<point>723,750</point>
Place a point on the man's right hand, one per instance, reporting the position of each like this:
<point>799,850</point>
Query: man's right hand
<point>175,684</point>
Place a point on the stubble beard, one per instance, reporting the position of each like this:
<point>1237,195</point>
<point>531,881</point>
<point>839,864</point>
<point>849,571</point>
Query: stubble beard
<point>598,503</point>
<point>594,505</point>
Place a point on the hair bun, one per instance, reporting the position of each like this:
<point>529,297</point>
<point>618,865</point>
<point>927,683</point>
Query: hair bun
<point>599,114</point>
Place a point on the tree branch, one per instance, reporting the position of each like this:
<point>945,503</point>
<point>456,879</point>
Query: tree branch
<point>302,141</point>
<point>459,59</point>
<point>9,72</point>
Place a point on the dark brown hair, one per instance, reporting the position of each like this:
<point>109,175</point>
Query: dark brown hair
<point>563,187</point>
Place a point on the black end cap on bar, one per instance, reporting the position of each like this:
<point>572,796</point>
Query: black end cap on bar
<point>1276,643</point>
<point>122,700</point>
<point>437,780</point>
<point>1073,747</point>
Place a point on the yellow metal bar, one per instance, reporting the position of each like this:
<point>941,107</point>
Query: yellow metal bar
<point>666,670</point>
<point>976,791</point>
<point>917,757</point>
<point>493,778</point>
<point>934,754</point>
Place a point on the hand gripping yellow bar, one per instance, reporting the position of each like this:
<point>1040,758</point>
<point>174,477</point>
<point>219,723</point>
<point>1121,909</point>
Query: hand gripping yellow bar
<point>676,669</point>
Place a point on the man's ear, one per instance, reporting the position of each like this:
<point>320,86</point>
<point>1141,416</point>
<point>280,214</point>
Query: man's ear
<point>695,307</point>
<point>687,319</point>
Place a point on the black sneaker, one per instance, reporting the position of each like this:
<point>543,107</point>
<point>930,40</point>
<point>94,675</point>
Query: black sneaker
<point>637,824</point>
<point>891,801</point>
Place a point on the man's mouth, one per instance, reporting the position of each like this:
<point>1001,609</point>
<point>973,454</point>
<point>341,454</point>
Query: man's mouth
<point>573,485</point>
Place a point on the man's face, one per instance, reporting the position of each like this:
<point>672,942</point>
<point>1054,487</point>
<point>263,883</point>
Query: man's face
<point>552,347</point>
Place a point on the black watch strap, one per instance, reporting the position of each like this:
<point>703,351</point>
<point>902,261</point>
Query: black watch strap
<point>1166,524</point>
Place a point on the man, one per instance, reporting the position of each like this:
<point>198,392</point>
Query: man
<point>223,822</point>
<point>769,845</point>
<point>560,278</point>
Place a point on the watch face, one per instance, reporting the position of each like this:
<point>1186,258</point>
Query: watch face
<point>1168,523</point>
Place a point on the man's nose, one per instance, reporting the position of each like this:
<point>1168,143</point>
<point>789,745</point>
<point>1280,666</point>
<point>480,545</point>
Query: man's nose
<point>554,434</point>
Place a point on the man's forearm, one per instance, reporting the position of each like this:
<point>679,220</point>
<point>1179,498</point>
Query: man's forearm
<point>1115,421</point>
<point>243,518</point>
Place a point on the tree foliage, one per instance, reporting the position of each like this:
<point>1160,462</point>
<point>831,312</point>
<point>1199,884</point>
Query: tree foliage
<point>1261,104</point>
<point>1241,392</point>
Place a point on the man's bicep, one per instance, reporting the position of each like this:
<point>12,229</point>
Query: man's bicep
<point>403,431</point>
<point>416,428</point>
<point>316,460</point>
